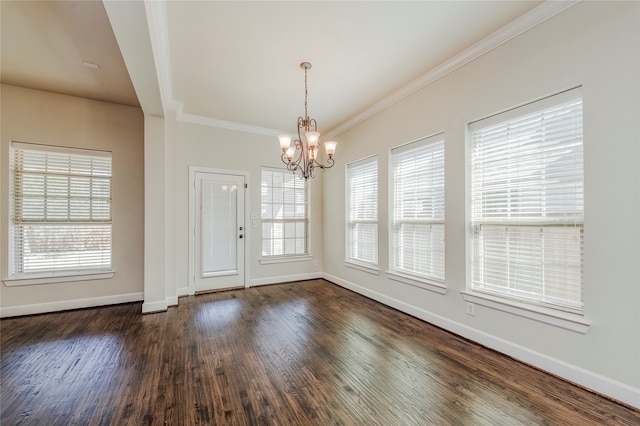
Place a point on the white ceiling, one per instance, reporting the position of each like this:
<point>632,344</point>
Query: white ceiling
<point>237,62</point>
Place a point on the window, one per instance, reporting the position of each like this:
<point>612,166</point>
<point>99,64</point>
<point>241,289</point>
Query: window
<point>285,214</point>
<point>527,203</point>
<point>60,211</point>
<point>362,210</point>
<point>417,228</point>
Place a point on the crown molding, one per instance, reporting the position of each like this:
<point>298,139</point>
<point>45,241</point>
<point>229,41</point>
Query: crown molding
<point>534,17</point>
<point>159,34</point>
<point>157,16</point>
<point>222,124</point>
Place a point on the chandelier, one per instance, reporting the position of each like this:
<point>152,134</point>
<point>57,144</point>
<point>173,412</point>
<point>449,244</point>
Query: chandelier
<point>301,157</point>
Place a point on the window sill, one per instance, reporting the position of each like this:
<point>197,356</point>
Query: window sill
<point>284,259</point>
<point>34,279</point>
<point>415,281</point>
<point>566,320</point>
<point>364,267</point>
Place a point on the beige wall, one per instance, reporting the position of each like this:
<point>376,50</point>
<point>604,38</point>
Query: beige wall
<point>593,44</point>
<point>209,147</point>
<point>47,118</point>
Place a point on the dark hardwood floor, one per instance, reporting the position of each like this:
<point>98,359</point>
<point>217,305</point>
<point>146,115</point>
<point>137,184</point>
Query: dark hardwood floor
<point>308,353</point>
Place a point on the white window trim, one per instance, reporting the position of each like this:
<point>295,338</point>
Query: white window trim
<point>566,320</point>
<point>371,268</point>
<point>418,281</point>
<point>267,260</point>
<point>555,316</point>
<point>51,278</point>
<point>422,281</point>
<point>62,276</point>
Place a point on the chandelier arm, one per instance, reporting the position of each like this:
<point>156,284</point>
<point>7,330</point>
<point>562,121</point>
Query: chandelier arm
<point>303,123</point>
<point>330,163</point>
<point>297,155</point>
<point>291,166</point>
<point>285,159</point>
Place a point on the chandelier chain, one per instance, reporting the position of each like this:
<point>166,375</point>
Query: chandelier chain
<point>306,113</point>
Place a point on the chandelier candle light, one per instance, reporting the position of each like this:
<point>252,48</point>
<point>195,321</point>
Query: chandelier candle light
<point>302,157</point>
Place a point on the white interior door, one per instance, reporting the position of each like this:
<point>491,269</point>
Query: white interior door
<point>219,231</point>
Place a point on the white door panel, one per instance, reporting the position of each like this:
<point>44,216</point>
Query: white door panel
<point>219,231</point>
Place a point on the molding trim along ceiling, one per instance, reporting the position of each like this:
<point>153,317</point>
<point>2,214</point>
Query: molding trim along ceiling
<point>223,124</point>
<point>157,16</point>
<point>159,34</point>
<point>534,17</point>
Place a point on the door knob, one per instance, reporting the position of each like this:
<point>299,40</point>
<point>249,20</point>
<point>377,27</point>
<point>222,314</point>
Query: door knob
<point>241,236</point>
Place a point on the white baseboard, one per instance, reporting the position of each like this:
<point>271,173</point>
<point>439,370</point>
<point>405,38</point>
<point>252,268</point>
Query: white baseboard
<point>172,301</point>
<point>593,381</point>
<point>64,305</point>
<point>151,307</point>
<point>285,279</point>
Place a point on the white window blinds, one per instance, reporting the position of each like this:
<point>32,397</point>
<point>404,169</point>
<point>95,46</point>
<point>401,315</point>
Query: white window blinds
<point>527,203</point>
<point>285,213</point>
<point>418,208</point>
<point>362,190</point>
<point>60,202</point>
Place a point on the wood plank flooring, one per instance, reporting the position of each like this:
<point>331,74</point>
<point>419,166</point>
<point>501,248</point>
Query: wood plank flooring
<point>306,353</point>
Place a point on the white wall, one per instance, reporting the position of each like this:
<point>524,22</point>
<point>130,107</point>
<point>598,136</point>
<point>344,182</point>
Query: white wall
<point>593,44</point>
<point>204,146</point>
<point>46,118</point>
<point>155,225</point>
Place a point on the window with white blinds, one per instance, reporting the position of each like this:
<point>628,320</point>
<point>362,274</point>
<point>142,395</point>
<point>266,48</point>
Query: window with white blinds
<point>527,209</point>
<point>418,208</point>
<point>362,204</point>
<point>285,213</point>
<point>60,210</point>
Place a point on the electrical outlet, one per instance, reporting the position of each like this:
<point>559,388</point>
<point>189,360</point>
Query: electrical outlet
<point>315,262</point>
<point>471,308</point>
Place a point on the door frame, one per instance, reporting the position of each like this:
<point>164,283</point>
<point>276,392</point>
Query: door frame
<point>192,221</point>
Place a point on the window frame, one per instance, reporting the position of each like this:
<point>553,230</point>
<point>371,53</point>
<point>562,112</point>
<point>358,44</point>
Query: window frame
<point>16,276</point>
<point>571,318</point>
<point>396,273</point>
<point>350,261</point>
<point>283,258</point>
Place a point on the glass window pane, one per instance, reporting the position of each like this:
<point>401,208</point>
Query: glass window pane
<point>284,202</point>
<point>362,205</point>
<point>61,216</point>
<point>527,187</point>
